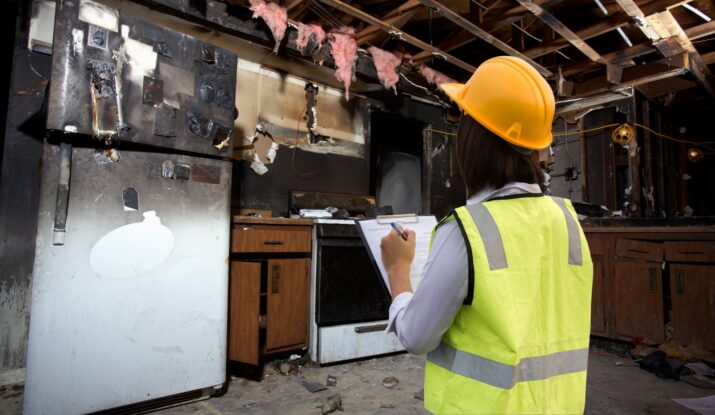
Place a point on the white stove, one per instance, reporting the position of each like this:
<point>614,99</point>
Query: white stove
<point>348,302</point>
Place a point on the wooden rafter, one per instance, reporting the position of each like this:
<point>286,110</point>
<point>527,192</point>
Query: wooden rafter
<point>359,14</point>
<point>635,76</point>
<point>639,50</point>
<point>631,9</point>
<point>483,34</point>
<point>397,18</point>
<point>666,26</point>
<point>550,20</point>
<point>613,22</point>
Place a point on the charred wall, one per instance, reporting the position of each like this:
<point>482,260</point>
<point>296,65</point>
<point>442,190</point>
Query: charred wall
<point>19,193</point>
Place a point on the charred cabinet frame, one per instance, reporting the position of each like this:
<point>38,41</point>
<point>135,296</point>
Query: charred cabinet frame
<point>646,277</point>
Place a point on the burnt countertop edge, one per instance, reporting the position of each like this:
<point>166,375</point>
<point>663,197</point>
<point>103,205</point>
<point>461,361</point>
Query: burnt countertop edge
<point>238,219</point>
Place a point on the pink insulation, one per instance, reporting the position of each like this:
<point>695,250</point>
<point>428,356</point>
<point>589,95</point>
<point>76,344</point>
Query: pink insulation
<point>344,51</point>
<point>308,32</point>
<point>275,16</point>
<point>386,64</point>
<point>434,77</point>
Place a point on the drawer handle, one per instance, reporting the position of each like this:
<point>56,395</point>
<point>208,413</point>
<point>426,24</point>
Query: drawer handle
<point>652,273</point>
<point>270,242</point>
<point>249,228</point>
<point>679,281</point>
<point>276,280</point>
<point>371,328</point>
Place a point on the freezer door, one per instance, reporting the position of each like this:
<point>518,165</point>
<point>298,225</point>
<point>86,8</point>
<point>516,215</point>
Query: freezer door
<point>132,304</point>
<point>116,77</point>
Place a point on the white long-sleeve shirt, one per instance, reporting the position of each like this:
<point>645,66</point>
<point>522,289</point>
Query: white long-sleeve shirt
<point>420,319</point>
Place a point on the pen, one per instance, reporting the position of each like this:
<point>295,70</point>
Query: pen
<point>399,230</point>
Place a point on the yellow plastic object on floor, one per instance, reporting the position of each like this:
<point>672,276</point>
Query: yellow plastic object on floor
<point>511,99</point>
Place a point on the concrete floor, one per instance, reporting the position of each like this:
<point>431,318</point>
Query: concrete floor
<point>612,389</point>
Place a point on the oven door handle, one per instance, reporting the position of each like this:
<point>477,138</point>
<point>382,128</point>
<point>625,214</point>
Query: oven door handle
<point>341,243</point>
<point>371,328</point>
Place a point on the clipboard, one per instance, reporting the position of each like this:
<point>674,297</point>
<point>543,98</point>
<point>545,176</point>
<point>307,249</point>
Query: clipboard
<point>373,230</point>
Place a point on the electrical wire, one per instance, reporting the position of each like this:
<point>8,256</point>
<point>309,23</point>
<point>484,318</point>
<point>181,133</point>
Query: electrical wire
<point>667,137</point>
<point>440,132</point>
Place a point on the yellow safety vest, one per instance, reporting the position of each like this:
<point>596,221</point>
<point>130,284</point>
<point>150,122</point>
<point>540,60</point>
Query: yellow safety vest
<point>519,344</point>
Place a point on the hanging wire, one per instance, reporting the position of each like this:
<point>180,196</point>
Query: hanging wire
<point>440,132</point>
<point>667,137</point>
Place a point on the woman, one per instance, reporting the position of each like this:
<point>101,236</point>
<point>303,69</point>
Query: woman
<point>503,306</point>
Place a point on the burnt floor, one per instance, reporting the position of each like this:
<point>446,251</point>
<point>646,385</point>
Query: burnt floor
<point>612,389</point>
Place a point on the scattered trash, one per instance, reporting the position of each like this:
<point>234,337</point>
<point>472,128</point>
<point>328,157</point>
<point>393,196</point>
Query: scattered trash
<point>329,404</point>
<point>387,405</point>
<point>286,367</point>
<point>331,381</point>
<point>661,365</point>
<point>249,405</point>
<point>294,357</point>
<point>314,387</point>
<point>390,382</point>
<point>701,375</point>
<point>420,396</point>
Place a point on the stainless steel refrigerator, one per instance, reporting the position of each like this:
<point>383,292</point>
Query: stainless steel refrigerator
<point>129,297</point>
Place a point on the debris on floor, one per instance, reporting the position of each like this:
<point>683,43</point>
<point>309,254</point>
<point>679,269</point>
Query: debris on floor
<point>390,382</point>
<point>330,404</point>
<point>314,386</point>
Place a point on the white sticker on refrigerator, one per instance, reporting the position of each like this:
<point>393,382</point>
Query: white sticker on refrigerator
<point>132,250</point>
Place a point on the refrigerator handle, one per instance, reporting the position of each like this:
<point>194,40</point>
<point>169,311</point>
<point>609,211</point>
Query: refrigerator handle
<point>63,194</point>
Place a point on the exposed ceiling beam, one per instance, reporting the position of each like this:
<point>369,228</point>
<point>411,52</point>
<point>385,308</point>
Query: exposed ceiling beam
<point>708,58</point>
<point>635,76</point>
<point>613,22</point>
<point>397,18</point>
<point>550,20</point>
<point>666,26</point>
<point>346,8</point>
<point>635,12</point>
<point>483,34</point>
<point>636,51</point>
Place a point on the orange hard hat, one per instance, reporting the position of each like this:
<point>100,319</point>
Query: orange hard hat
<point>509,98</point>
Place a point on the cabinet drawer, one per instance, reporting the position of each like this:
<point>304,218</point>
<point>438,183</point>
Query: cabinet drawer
<point>648,251</point>
<point>268,238</point>
<point>690,251</point>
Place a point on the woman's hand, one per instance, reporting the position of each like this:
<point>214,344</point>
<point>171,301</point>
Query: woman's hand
<point>397,256</point>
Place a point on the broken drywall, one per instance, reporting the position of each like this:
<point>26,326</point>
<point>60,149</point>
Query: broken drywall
<point>278,103</point>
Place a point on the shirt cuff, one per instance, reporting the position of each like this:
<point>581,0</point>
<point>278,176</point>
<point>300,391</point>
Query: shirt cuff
<point>398,304</point>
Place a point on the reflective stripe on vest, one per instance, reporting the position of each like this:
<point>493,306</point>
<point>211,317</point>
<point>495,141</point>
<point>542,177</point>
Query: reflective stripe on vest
<point>494,247</point>
<point>490,235</point>
<point>575,256</point>
<point>505,376</point>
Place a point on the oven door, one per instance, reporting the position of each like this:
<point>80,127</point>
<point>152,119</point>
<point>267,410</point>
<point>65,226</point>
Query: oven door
<point>349,289</point>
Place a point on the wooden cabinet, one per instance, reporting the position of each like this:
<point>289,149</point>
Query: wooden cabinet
<point>647,277</point>
<point>269,287</point>
<point>692,293</point>
<point>639,299</point>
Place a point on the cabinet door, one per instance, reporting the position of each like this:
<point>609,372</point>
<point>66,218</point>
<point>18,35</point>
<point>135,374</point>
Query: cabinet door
<point>639,299</point>
<point>692,289</point>
<point>244,307</point>
<point>598,316</point>
<point>287,312</point>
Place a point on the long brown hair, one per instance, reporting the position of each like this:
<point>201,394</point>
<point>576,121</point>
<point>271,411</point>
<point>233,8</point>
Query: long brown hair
<point>486,160</point>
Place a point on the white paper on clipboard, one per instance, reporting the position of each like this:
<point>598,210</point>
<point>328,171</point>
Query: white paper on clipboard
<point>373,230</point>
